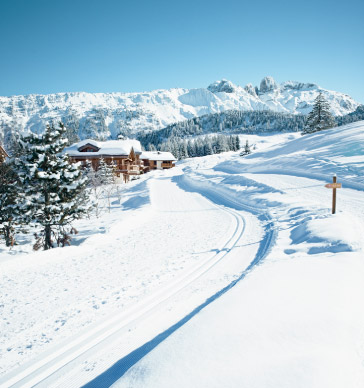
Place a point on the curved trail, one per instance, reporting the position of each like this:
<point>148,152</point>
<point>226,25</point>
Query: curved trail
<point>220,195</point>
<point>46,367</point>
<point>211,191</point>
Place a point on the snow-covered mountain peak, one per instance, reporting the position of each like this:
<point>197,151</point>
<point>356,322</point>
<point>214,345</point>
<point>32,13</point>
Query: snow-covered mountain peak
<point>222,86</point>
<point>253,90</point>
<point>268,84</point>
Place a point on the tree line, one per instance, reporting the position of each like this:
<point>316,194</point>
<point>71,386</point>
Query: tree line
<point>200,146</point>
<point>228,123</point>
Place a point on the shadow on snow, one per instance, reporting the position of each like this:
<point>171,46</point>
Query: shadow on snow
<point>116,371</point>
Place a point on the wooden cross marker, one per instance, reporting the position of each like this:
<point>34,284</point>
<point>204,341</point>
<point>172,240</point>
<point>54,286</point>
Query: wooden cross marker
<point>334,185</point>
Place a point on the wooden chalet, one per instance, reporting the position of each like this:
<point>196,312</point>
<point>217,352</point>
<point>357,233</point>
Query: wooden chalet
<point>3,154</point>
<point>123,154</point>
<point>157,160</point>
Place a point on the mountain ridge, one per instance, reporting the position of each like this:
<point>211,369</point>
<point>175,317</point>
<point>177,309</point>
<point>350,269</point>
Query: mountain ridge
<point>105,115</point>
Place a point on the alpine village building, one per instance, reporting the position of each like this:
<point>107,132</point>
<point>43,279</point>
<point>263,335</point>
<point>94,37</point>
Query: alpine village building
<point>126,155</point>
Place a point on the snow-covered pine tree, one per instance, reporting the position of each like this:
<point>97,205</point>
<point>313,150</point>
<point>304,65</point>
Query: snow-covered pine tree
<point>246,150</point>
<point>53,188</point>
<point>233,143</point>
<point>91,175</point>
<point>207,149</point>
<point>94,183</point>
<point>230,143</point>
<point>106,173</point>
<point>107,176</point>
<point>191,148</point>
<point>200,147</point>
<point>183,152</point>
<point>320,117</point>
<point>237,143</point>
<point>9,212</point>
<point>221,144</point>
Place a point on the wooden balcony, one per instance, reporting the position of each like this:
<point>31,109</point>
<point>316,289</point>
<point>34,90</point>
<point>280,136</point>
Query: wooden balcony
<point>167,165</point>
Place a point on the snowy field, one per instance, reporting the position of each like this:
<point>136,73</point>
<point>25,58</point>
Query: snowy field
<point>223,272</point>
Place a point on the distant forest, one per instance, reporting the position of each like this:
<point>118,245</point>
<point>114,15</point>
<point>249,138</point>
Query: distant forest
<point>180,137</point>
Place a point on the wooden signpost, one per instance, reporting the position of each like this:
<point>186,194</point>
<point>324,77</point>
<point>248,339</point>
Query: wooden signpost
<point>334,185</point>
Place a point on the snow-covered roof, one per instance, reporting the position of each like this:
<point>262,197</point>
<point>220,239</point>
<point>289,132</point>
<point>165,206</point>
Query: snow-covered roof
<point>110,147</point>
<point>157,155</point>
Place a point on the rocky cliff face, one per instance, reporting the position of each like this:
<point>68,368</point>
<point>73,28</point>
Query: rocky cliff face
<point>268,84</point>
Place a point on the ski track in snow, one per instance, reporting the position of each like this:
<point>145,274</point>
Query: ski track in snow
<point>265,243</point>
<point>37,371</point>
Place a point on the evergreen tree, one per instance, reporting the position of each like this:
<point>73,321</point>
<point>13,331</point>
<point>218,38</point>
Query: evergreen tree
<point>191,148</point>
<point>105,173</point>
<point>53,188</point>
<point>246,150</point>
<point>237,143</point>
<point>183,153</point>
<point>230,143</point>
<point>320,117</point>
<point>91,174</point>
<point>221,144</point>
<point>107,177</point>
<point>9,211</point>
<point>94,183</point>
<point>207,149</point>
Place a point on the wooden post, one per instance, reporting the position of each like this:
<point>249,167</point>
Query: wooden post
<point>334,196</point>
<point>334,185</point>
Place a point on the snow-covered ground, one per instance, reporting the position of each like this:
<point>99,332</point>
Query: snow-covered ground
<point>223,272</point>
<point>161,250</point>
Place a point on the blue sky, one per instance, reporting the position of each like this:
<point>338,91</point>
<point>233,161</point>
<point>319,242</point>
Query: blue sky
<point>52,46</point>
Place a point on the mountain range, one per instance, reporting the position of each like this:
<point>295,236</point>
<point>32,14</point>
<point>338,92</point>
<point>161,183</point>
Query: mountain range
<point>106,115</point>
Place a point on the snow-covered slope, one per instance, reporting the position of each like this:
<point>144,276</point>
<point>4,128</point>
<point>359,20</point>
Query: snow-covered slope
<point>112,113</point>
<point>337,151</point>
<point>295,319</point>
<point>254,283</point>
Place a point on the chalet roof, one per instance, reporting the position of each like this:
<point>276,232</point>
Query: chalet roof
<point>110,147</point>
<point>158,155</point>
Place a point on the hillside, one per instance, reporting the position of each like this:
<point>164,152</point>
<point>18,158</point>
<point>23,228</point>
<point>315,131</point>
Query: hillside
<point>337,151</point>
